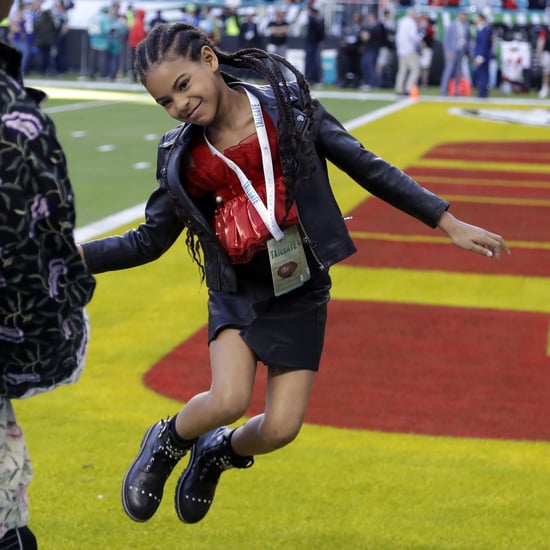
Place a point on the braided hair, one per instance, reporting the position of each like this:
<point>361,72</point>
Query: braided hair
<point>169,41</point>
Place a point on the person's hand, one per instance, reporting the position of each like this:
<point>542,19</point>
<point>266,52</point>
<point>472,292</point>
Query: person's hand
<point>473,238</point>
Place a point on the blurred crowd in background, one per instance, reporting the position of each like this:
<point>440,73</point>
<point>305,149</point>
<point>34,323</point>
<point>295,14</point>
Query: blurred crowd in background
<point>403,46</point>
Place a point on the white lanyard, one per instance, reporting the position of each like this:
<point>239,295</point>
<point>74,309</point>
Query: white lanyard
<point>266,213</point>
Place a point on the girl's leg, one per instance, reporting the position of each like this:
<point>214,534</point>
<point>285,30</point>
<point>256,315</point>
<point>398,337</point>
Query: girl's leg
<point>165,443</point>
<point>233,368</point>
<point>221,449</point>
<point>287,398</point>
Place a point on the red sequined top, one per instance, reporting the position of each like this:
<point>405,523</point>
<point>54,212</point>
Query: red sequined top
<point>236,222</point>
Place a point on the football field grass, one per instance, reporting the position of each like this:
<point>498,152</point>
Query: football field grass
<point>335,487</point>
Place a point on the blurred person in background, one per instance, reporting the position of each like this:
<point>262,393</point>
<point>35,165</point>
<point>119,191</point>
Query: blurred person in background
<point>456,46</point>
<point>249,37</point>
<point>482,54</point>
<point>314,36</point>
<point>45,35</point>
<point>543,53</point>
<point>157,19</point>
<point>210,24</point>
<point>249,34</point>
<point>136,34</point>
<point>372,39</point>
<point>22,32</point>
<point>386,64</point>
<point>190,14</point>
<point>44,285</point>
<point>98,33</point>
<point>348,56</point>
<point>277,33</point>
<point>427,35</point>
<point>61,19</point>
<point>117,40</point>
<point>407,46</point>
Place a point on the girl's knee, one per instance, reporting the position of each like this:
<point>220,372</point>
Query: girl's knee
<point>278,435</point>
<point>229,406</point>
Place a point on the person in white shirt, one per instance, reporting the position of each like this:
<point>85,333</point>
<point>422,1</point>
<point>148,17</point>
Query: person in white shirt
<point>407,45</point>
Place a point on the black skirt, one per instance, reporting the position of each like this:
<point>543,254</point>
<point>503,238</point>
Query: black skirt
<point>285,331</point>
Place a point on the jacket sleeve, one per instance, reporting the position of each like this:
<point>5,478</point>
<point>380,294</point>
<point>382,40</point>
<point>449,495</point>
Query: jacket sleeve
<point>141,245</point>
<point>373,173</point>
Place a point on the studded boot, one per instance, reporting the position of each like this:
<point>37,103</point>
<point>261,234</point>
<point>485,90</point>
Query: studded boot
<point>211,455</point>
<point>144,481</point>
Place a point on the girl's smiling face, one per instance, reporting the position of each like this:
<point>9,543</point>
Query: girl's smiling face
<point>188,90</point>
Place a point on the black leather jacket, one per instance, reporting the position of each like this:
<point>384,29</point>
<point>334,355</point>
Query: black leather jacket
<point>170,209</point>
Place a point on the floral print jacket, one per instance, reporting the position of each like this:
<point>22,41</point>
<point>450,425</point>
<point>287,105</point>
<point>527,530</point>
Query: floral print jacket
<point>44,284</point>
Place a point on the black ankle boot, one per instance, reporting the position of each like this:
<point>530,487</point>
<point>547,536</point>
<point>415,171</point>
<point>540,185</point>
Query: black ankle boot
<point>144,481</point>
<point>211,455</point>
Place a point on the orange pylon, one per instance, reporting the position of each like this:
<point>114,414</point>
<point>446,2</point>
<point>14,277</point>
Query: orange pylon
<point>414,93</point>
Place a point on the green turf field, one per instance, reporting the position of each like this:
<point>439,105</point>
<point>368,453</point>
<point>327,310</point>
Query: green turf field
<point>333,488</point>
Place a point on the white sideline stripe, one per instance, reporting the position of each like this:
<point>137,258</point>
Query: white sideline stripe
<point>110,223</point>
<point>375,115</point>
<point>77,106</point>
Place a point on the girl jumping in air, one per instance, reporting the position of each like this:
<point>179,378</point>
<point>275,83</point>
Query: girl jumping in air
<point>245,174</point>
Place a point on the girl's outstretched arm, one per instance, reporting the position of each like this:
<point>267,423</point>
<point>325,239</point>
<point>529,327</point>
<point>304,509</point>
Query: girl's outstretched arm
<point>471,237</point>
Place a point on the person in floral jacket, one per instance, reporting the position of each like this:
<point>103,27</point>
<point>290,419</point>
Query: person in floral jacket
<point>44,284</point>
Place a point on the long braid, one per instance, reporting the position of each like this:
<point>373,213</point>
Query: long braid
<point>191,241</point>
<point>269,66</point>
<point>168,41</point>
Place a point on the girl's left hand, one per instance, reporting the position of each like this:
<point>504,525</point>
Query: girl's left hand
<point>473,238</point>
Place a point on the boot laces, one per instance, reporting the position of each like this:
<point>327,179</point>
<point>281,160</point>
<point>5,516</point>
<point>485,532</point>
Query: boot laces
<point>214,465</point>
<point>165,451</point>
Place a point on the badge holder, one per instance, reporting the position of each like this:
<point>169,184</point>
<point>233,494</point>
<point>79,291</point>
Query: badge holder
<point>289,267</point>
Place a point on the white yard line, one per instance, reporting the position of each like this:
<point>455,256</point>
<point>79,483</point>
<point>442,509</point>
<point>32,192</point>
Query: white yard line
<point>110,223</point>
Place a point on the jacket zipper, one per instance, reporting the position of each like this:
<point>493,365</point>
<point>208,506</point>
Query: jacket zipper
<point>312,246</point>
